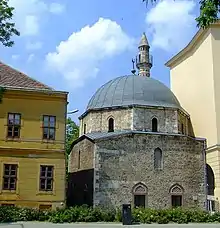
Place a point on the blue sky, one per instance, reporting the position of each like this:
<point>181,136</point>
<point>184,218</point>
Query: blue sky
<point>78,45</point>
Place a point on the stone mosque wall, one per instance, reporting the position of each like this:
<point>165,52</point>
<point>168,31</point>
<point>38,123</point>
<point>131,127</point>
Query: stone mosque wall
<point>124,161</point>
<point>140,119</point>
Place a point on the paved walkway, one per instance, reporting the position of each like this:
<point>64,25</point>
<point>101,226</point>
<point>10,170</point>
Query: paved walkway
<point>101,225</point>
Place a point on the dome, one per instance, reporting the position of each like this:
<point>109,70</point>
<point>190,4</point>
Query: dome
<point>133,90</point>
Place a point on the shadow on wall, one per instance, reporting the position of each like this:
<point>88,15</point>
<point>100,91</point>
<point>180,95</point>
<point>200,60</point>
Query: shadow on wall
<point>80,188</point>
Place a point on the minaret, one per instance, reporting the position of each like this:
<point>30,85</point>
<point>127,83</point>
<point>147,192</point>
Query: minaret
<point>143,60</point>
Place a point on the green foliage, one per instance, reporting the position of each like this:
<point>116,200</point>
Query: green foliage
<point>7,28</point>
<point>72,133</point>
<point>88,214</point>
<point>2,90</point>
<point>209,11</point>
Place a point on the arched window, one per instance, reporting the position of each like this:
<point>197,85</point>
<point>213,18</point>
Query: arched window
<point>79,159</point>
<point>110,125</point>
<point>158,159</point>
<point>210,180</point>
<point>182,128</point>
<point>154,125</point>
<point>176,192</point>
<point>84,129</point>
<point>140,195</point>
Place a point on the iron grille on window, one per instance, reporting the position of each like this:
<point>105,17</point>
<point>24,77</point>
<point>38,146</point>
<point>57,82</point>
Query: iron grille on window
<point>46,178</point>
<point>14,125</point>
<point>10,177</point>
<point>49,127</point>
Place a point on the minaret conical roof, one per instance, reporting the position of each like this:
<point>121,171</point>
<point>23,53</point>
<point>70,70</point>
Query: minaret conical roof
<point>144,41</point>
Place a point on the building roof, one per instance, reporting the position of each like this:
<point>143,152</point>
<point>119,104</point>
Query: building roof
<point>144,41</point>
<point>106,135</point>
<point>198,36</point>
<point>9,77</point>
<point>133,90</point>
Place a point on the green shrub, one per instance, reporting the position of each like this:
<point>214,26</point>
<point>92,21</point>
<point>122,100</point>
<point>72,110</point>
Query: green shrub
<point>87,214</point>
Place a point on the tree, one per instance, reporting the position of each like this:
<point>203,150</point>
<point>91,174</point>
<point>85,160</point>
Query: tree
<point>209,10</point>
<point>7,28</point>
<point>72,133</point>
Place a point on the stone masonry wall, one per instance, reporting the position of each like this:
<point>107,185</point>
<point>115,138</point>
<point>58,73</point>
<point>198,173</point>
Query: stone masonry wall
<point>97,121</point>
<point>86,149</point>
<point>167,119</point>
<point>122,162</point>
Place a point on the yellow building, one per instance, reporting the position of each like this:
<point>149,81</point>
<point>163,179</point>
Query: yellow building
<point>195,80</point>
<point>32,140</point>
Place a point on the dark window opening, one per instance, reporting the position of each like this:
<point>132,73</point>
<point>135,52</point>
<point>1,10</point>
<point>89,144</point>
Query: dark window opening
<point>139,58</point>
<point>49,127</point>
<point>111,125</point>
<point>14,125</point>
<point>46,178</point>
<point>79,154</point>
<point>176,200</point>
<point>154,125</point>
<point>139,201</point>
<point>84,129</point>
<point>182,128</point>
<point>158,158</point>
<point>210,180</point>
<point>10,177</point>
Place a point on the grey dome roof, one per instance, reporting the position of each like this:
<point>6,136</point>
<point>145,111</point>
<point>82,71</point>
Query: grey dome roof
<point>133,90</point>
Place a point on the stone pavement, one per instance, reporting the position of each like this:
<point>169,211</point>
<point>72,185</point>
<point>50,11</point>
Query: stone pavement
<point>101,225</point>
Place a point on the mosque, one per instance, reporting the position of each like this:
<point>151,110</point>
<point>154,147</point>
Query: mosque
<point>137,145</point>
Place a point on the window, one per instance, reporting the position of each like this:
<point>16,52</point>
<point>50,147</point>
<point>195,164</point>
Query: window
<point>46,178</point>
<point>158,159</point>
<point>14,125</point>
<point>84,129</point>
<point>139,200</point>
<point>49,127</point>
<point>79,160</point>
<point>10,177</point>
<point>111,125</point>
<point>182,128</point>
<point>176,196</point>
<point>154,125</point>
<point>176,201</point>
<point>140,195</point>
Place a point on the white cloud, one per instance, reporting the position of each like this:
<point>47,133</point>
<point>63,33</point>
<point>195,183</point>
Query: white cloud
<point>34,46</point>
<point>77,59</point>
<point>29,14</point>
<point>171,23</point>
<point>56,8</point>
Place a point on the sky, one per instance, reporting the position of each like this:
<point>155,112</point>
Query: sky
<point>78,45</point>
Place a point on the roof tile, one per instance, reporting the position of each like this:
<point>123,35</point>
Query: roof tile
<point>13,78</point>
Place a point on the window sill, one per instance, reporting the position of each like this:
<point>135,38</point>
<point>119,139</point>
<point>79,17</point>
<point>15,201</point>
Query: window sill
<point>13,139</point>
<point>13,192</point>
<point>158,169</point>
<point>51,141</point>
<point>45,193</point>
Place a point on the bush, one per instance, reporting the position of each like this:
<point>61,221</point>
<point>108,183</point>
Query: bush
<point>87,214</point>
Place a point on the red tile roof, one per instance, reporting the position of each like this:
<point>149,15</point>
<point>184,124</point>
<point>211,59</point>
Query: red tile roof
<point>13,78</point>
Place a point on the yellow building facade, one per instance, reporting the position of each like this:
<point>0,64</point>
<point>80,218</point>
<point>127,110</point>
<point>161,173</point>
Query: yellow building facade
<point>32,142</point>
<point>195,81</point>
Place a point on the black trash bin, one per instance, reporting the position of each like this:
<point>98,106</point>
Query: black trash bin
<point>126,214</point>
